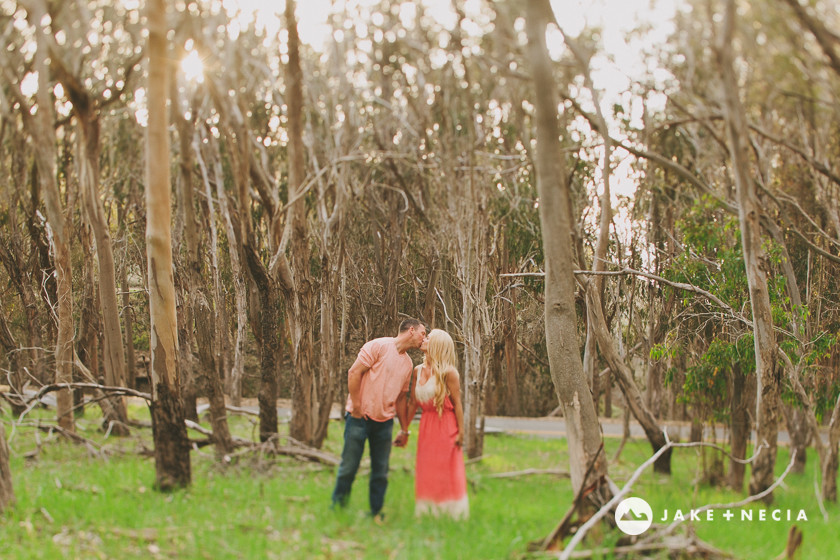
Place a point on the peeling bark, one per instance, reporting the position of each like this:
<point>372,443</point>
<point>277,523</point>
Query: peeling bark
<point>172,451</point>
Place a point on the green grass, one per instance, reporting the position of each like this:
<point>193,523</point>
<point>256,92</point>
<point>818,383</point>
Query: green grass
<point>71,504</point>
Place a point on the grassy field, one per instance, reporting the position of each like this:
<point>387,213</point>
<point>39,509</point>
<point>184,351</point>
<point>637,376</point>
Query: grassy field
<point>74,503</point>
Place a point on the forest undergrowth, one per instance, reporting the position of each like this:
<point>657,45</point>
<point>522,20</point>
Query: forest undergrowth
<point>97,501</point>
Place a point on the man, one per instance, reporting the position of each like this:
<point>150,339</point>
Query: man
<point>378,382</point>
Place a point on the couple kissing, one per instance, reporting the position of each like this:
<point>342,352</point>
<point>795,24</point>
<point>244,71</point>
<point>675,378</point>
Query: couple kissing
<point>383,384</point>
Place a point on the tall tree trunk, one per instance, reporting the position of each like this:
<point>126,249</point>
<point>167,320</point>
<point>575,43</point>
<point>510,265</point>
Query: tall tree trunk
<point>749,213</point>
<point>186,246</point>
<point>599,259</point>
<point>739,429</point>
<point>43,136</point>
<point>513,406</point>
<point>329,364</point>
<point>799,432</point>
<point>268,339</point>
<point>475,359</point>
<point>830,461</point>
<point>211,366</point>
<point>214,357</point>
<point>89,328</point>
<point>172,448</point>
<point>296,278</point>
<point>112,349</point>
<point>233,379</point>
<point>264,313</point>
<point>211,329</point>
<point>86,112</point>
<point>128,324</point>
<point>588,464</point>
<point>7,492</point>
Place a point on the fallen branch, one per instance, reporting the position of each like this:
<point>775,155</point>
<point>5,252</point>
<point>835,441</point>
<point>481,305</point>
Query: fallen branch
<point>295,449</point>
<point>527,472</point>
<point>689,546</point>
<point>581,533</point>
<point>309,454</point>
<point>92,448</point>
<point>818,494</point>
<point>229,407</point>
<point>731,505</point>
<point>33,400</point>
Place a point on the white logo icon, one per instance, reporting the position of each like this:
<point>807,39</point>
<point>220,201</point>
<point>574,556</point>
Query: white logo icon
<point>633,516</point>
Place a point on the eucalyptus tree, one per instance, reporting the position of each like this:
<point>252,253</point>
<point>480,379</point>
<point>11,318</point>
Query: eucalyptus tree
<point>453,130</point>
<point>202,331</point>
<point>597,328</point>
<point>786,137</point>
<point>172,450</point>
<point>207,155</point>
<point>38,116</point>
<point>825,180</point>
<point>311,400</point>
<point>450,152</point>
<point>91,84</point>
<point>588,463</point>
<point>239,94</point>
<point>749,216</point>
<point>278,238</point>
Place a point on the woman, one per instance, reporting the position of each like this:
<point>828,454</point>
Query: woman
<point>440,485</point>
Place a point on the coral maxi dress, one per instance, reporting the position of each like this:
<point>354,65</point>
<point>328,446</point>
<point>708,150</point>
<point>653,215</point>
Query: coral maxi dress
<point>440,485</point>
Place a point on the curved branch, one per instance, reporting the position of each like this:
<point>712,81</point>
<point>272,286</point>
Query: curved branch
<point>679,285</point>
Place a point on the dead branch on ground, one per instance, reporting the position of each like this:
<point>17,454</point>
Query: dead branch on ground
<point>660,537</point>
<point>528,472</point>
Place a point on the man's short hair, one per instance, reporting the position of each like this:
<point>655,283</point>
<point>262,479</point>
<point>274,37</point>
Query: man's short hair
<point>408,323</point>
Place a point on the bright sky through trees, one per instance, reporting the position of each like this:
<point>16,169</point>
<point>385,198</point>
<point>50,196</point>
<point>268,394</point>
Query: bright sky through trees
<point>629,30</point>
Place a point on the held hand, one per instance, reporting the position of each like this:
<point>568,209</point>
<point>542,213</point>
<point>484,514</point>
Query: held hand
<point>459,439</point>
<point>357,411</point>
<point>402,439</point>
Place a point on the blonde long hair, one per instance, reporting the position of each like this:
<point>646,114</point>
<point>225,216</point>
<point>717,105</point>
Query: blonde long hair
<point>440,358</point>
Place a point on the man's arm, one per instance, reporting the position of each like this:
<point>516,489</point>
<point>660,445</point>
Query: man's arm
<point>354,386</point>
<point>406,407</point>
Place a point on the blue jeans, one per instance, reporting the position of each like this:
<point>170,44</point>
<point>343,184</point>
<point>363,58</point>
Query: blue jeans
<point>356,431</point>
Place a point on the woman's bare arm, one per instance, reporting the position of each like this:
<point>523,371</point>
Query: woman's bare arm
<point>453,385</point>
